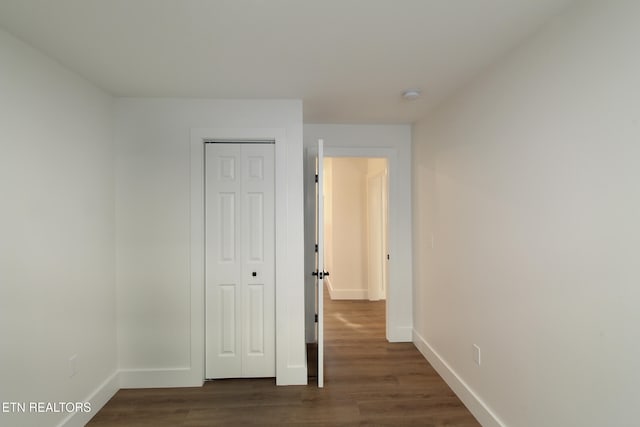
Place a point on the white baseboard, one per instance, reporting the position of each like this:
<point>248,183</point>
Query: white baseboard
<point>346,293</point>
<point>186,377</point>
<point>485,416</point>
<point>400,334</point>
<point>98,398</point>
<point>155,378</point>
<point>158,378</point>
<point>295,375</point>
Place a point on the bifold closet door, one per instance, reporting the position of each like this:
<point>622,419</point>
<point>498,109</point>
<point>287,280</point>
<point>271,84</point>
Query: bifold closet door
<point>240,261</point>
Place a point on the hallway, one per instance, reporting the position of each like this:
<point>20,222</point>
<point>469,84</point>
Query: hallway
<point>388,383</point>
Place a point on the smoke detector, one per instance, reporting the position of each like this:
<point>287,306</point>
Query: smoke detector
<point>411,94</point>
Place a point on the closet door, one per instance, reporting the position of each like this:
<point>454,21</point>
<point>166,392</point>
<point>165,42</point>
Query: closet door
<point>240,262</point>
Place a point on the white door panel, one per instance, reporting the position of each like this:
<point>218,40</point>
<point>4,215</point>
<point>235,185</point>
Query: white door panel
<point>240,263</point>
<point>320,261</point>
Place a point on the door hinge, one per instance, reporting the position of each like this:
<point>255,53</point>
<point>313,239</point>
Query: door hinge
<point>316,318</point>
<point>316,177</point>
<point>316,247</point>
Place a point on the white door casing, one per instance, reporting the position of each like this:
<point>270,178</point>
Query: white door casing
<point>240,261</point>
<point>377,235</point>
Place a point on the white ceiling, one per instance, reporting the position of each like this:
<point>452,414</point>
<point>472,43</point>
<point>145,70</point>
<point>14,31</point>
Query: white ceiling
<point>349,60</point>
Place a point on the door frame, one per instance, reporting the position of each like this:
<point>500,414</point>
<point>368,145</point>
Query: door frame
<point>197,243</point>
<point>398,292</point>
<point>383,212</point>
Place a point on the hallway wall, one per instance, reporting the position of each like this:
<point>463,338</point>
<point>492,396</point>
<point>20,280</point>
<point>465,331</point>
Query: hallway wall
<point>526,218</point>
<point>345,222</point>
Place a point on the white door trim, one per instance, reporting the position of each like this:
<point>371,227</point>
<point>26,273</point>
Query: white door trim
<point>376,260</point>
<point>197,242</point>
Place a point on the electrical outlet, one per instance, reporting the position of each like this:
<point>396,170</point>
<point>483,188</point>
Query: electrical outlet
<point>73,365</point>
<point>476,354</point>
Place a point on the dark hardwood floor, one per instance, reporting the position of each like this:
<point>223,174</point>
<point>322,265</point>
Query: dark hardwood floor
<point>368,381</point>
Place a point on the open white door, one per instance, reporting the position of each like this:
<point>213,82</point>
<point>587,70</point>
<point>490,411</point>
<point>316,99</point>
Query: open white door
<point>320,272</point>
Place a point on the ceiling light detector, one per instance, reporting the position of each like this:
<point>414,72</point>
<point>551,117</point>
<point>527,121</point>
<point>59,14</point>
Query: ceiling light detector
<point>411,94</point>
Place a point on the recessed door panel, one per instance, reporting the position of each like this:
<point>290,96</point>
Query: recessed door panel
<point>255,202</point>
<point>255,168</point>
<point>227,325</point>
<point>256,319</point>
<point>227,168</point>
<point>227,228</point>
<point>223,336</point>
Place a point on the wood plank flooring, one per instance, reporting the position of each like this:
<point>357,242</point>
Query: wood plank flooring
<point>368,381</point>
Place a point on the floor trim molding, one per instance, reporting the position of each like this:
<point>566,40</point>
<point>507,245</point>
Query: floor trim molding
<point>359,294</point>
<point>476,406</point>
<point>98,398</point>
<point>159,378</point>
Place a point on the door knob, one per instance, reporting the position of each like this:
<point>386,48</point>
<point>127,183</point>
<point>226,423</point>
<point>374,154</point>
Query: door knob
<point>320,274</point>
<point>254,274</point>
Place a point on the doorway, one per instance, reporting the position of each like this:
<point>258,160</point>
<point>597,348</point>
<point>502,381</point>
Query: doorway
<point>394,145</point>
<point>398,298</point>
<point>356,227</point>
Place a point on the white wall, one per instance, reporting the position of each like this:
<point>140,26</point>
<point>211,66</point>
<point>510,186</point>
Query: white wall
<point>57,293</point>
<point>529,183</point>
<point>393,142</point>
<point>159,337</point>
<point>329,253</point>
